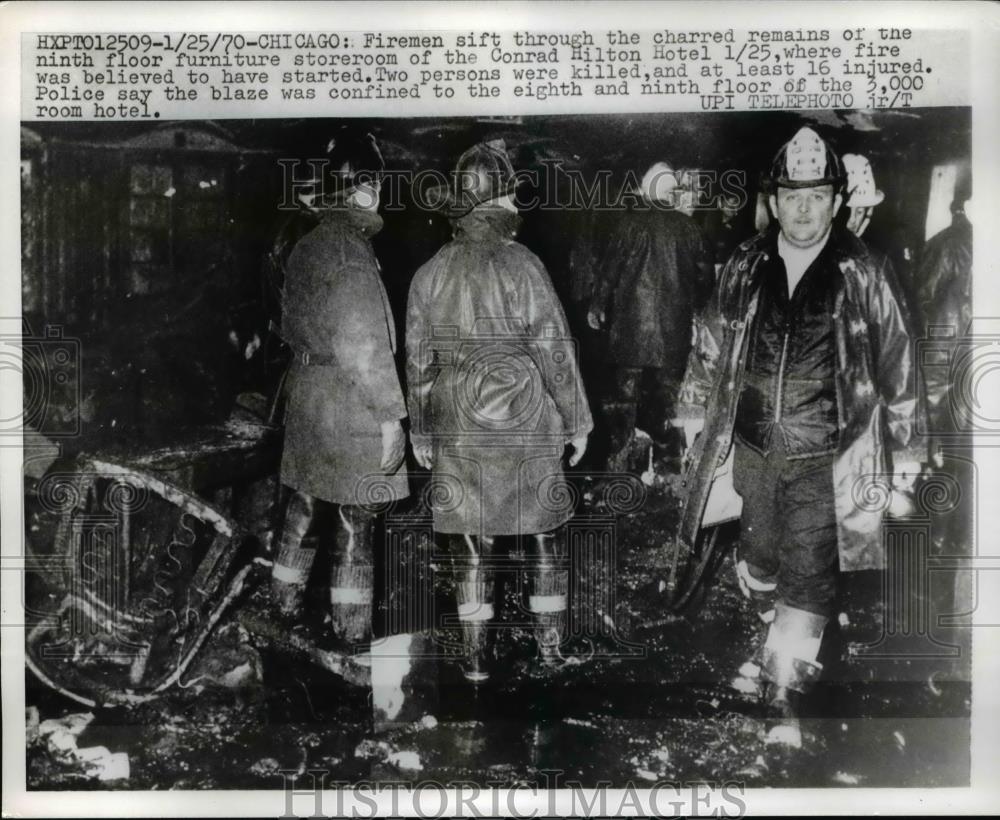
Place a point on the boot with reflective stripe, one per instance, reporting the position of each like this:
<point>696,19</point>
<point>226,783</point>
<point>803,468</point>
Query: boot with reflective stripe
<point>548,588</point>
<point>762,598</point>
<point>790,668</point>
<point>474,587</point>
<point>351,573</point>
<point>296,553</point>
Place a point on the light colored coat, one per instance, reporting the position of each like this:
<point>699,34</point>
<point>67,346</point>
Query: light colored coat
<point>335,308</point>
<point>493,382</point>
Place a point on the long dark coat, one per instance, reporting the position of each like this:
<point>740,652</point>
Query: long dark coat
<point>654,273</point>
<point>879,407</point>
<point>945,294</point>
<point>493,382</point>
<point>335,308</point>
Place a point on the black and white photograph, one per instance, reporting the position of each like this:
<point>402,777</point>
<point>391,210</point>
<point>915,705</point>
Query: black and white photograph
<point>486,449</point>
<point>487,411</point>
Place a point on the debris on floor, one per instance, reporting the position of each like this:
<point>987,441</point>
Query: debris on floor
<point>61,736</point>
<point>653,703</point>
<point>405,760</point>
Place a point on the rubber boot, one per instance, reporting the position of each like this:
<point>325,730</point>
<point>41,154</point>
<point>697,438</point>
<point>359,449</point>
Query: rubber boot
<point>296,554</point>
<point>619,414</point>
<point>351,574</point>
<point>548,590</point>
<point>474,588</point>
<point>658,391</point>
<point>790,668</point>
<point>762,596</point>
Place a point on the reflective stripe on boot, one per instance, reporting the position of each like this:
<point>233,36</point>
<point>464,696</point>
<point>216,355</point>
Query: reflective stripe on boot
<point>351,573</point>
<point>351,601</point>
<point>296,553</point>
<point>549,593</point>
<point>290,574</point>
<point>474,588</point>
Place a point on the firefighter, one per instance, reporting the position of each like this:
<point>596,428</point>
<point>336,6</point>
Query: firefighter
<point>945,295</point>
<point>495,396</point>
<point>885,238</point>
<point>817,394</point>
<point>727,231</point>
<point>862,195</point>
<point>344,441</point>
<point>656,272</point>
<point>945,287</point>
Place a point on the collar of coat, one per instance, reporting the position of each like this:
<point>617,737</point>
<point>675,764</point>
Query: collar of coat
<point>368,223</point>
<point>487,221</point>
<point>843,249</point>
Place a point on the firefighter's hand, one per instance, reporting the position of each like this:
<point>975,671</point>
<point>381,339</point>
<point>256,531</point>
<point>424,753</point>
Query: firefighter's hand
<point>579,446</point>
<point>595,318</point>
<point>393,446</point>
<point>424,454</point>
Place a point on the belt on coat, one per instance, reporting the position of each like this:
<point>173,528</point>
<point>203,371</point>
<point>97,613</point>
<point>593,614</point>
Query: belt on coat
<point>307,358</point>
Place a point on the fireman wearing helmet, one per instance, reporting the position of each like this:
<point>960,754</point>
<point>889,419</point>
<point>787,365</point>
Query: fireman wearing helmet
<point>862,195</point>
<point>656,273</point>
<point>344,441</point>
<point>496,397</point>
<point>803,365</point>
<point>887,237</point>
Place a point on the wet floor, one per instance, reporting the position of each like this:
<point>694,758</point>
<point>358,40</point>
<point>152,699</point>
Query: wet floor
<point>642,700</point>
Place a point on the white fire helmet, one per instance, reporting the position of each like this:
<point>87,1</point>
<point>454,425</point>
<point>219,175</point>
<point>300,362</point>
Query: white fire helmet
<point>805,161</point>
<point>659,182</point>
<point>861,188</point>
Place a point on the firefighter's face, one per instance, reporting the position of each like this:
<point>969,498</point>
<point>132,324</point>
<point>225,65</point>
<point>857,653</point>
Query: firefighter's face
<point>805,214</point>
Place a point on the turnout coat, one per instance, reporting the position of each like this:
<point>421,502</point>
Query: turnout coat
<point>335,311</point>
<point>878,404</point>
<point>945,294</point>
<point>494,385</point>
<point>652,276</point>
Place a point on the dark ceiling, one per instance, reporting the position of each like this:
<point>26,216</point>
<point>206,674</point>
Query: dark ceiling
<point>620,143</point>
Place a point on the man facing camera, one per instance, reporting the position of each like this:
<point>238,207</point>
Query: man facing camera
<point>804,364</point>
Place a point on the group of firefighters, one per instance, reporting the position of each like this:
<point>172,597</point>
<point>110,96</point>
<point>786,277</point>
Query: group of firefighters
<point>794,360</point>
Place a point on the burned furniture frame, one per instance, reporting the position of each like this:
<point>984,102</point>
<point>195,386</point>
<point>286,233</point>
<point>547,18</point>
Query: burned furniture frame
<point>130,620</point>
